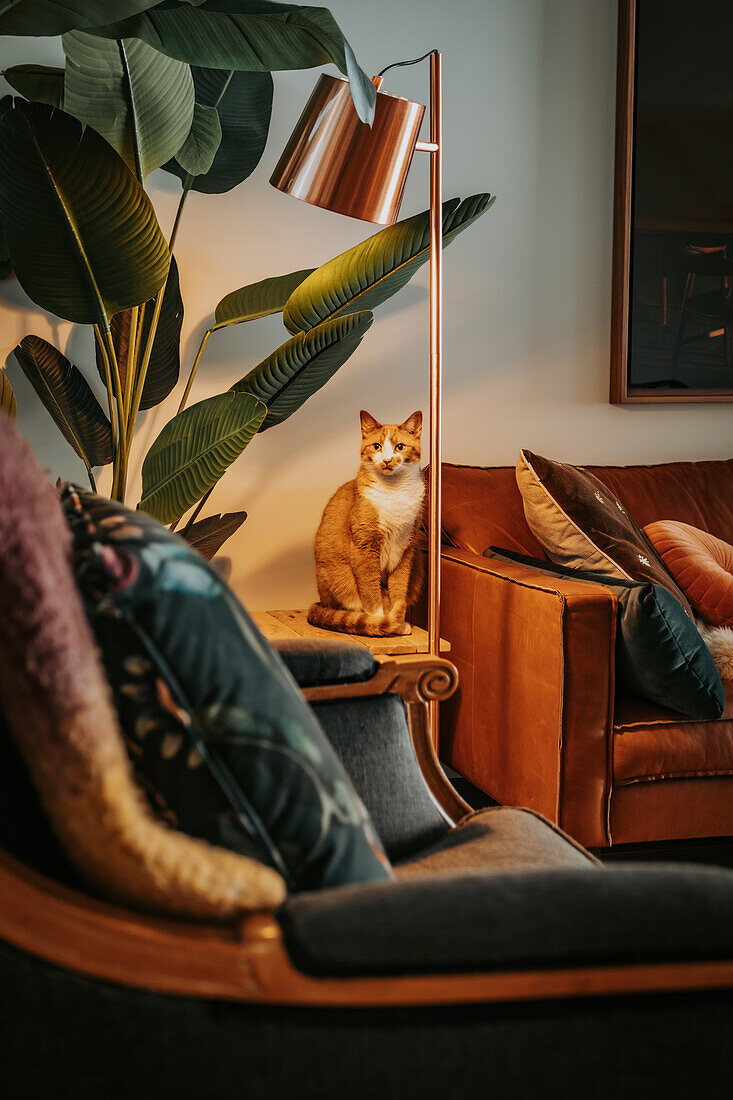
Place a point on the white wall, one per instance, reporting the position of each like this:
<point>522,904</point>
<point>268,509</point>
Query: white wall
<point>529,114</point>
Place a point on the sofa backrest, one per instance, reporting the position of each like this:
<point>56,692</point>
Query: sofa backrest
<point>482,505</point>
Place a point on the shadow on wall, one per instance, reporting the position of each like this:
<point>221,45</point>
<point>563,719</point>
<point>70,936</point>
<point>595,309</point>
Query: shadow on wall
<point>289,566</point>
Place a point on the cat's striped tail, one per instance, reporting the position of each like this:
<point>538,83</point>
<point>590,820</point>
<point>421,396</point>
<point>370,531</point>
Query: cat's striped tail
<point>351,622</point>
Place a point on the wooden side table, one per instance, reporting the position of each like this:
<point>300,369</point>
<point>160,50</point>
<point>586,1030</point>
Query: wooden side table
<point>279,625</point>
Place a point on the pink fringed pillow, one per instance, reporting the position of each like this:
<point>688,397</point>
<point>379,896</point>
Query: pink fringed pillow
<point>56,701</point>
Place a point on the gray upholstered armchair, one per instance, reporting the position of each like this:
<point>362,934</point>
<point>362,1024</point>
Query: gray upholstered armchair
<point>504,959</point>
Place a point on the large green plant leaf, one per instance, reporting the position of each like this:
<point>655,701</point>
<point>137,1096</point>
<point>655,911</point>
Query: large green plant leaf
<point>65,392</point>
<point>371,272</point>
<point>302,365</point>
<point>258,299</point>
<point>209,535</point>
<point>197,153</point>
<point>165,358</point>
<point>7,396</point>
<point>249,34</point>
<point>243,102</point>
<point>193,451</point>
<point>138,99</point>
<point>82,233</point>
<point>6,264</point>
<point>41,83</point>
<point>43,19</point>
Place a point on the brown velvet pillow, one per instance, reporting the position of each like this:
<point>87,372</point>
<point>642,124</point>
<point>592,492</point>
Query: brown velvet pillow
<point>701,564</point>
<point>56,702</point>
<point>581,524</point>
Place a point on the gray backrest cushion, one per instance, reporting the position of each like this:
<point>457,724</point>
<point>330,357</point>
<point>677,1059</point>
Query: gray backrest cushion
<point>372,740</point>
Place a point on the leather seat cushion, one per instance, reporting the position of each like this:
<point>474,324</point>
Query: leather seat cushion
<point>701,564</point>
<point>652,743</point>
<point>498,839</point>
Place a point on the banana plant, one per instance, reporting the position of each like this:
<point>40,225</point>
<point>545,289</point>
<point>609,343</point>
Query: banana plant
<point>187,88</point>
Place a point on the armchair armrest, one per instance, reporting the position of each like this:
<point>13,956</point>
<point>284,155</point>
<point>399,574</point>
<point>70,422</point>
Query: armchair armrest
<point>317,661</point>
<point>531,724</point>
<point>572,920</point>
<point>336,671</point>
<point>541,934</point>
<point>419,679</point>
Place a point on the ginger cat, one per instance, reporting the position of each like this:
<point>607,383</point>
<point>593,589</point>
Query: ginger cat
<point>367,570</point>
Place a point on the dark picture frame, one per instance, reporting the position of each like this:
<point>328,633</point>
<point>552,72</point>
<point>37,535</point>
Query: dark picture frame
<point>623,389</point>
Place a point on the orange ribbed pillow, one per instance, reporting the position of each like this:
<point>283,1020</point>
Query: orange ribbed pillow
<point>701,564</point>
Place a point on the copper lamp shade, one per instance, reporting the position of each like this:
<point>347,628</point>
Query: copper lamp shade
<point>336,161</point>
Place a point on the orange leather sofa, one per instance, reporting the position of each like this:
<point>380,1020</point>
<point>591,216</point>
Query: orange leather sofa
<point>537,720</point>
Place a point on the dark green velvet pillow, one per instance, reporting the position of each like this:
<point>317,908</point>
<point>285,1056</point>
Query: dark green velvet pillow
<point>219,734</point>
<point>659,651</point>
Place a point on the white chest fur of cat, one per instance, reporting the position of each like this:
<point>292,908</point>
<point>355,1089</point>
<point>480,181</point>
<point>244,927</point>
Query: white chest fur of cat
<point>367,568</point>
<point>397,503</point>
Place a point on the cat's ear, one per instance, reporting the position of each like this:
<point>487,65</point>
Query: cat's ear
<point>413,424</point>
<point>368,423</point>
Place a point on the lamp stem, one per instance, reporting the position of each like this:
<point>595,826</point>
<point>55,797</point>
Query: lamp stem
<point>436,350</point>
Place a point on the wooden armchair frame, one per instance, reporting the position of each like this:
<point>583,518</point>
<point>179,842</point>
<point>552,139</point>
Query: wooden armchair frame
<point>421,680</point>
<point>247,961</point>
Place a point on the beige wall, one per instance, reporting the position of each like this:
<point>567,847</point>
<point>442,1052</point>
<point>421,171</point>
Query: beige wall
<point>529,111</point>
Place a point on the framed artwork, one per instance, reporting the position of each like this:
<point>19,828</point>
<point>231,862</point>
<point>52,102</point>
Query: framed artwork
<point>672,312</point>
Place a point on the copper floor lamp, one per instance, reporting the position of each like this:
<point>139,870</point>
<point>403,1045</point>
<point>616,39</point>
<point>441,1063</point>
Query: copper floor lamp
<point>335,161</point>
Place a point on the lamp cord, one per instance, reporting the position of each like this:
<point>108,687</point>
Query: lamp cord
<point>400,64</point>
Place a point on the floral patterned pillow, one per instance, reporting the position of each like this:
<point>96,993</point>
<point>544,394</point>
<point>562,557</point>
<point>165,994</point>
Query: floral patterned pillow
<point>220,736</point>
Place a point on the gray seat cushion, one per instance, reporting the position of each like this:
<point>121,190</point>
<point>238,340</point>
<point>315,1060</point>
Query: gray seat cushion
<point>498,839</point>
<point>514,920</point>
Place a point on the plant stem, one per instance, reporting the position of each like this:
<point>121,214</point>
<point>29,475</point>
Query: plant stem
<point>143,367</point>
<point>142,371</point>
<point>129,397</point>
<point>195,513</point>
<point>118,485</point>
<point>130,364</point>
<point>181,202</point>
<point>194,368</point>
<point>115,368</point>
<point>92,482</point>
<point>110,400</point>
<point>140,323</point>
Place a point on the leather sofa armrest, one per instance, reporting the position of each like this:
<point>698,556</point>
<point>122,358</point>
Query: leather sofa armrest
<point>532,722</point>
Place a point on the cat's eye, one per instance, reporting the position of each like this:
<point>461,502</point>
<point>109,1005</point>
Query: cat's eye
<point>400,447</point>
<point>377,446</point>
